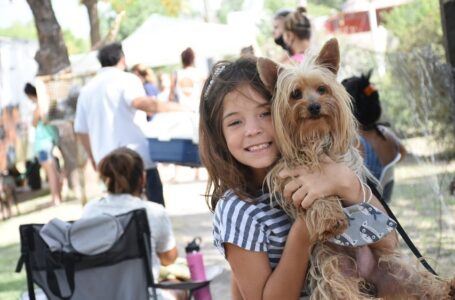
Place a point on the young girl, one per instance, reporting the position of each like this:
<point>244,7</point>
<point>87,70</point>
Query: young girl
<point>122,171</point>
<point>268,254</point>
<point>46,137</point>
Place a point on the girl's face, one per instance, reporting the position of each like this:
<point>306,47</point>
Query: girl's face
<point>247,128</point>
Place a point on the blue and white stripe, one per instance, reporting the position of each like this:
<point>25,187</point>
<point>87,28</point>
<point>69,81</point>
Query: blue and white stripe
<point>254,226</point>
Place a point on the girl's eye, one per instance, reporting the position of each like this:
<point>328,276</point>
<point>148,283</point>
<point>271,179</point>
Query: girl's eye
<point>322,89</point>
<point>233,123</point>
<point>296,94</point>
<point>266,114</point>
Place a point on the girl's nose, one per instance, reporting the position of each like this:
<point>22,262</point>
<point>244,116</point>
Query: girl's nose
<point>253,129</point>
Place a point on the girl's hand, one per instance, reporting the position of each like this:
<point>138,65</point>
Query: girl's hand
<point>332,179</point>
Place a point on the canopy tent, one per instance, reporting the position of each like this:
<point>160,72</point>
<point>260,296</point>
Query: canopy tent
<point>160,40</point>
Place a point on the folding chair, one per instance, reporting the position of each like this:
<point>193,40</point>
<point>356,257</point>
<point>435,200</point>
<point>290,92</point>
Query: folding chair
<point>387,178</point>
<point>124,271</point>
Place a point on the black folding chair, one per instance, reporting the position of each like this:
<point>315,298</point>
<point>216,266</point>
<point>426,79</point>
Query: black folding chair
<point>122,272</point>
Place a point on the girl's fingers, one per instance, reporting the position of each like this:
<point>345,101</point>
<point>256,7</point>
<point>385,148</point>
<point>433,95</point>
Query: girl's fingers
<point>298,196</point>
<point>307,201</point>
<point>292,172</point>
<point>290,188</point>
<point>286,173</point>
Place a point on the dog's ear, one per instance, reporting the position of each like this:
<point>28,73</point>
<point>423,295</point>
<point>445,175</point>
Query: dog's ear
<point>268,72</point>
<point>329,56</point>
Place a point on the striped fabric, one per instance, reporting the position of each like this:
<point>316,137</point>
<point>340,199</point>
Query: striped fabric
<point>255,226</point>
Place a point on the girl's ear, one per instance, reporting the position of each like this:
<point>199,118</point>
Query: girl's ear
<point>268,72</point>
<point>329,56</point>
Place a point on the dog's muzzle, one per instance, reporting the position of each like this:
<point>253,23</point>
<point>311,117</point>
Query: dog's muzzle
<point>314,109</point>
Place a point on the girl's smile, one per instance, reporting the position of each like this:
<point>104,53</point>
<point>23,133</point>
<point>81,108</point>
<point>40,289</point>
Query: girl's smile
<point>248,130</point>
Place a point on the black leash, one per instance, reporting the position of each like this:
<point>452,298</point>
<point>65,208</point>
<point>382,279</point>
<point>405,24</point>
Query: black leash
<point>400,229</point>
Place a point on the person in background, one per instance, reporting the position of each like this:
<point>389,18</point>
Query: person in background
<point>186,83</point>
<point>122,171</point>
<point>148,79</point>
<point>186,86</point>
<point>378,144</point>
<point>46,137</point>
<point>278,30</point>
<point>111,112</point>
<point>297,34</point>
<point>164,86</point>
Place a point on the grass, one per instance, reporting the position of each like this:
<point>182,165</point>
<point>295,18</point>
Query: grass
<point>11,283</point>
<point>426,210</point>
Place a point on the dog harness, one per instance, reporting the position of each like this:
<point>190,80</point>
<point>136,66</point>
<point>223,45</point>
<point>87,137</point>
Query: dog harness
<point>367,224</point>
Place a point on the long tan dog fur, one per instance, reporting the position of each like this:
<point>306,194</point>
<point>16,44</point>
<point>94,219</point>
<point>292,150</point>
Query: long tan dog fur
<point>312,118</point>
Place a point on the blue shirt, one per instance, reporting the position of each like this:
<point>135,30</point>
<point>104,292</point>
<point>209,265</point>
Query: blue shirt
<point>371,159</point>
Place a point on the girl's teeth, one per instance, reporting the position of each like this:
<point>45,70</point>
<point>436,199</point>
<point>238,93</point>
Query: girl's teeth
<point>258,147</point>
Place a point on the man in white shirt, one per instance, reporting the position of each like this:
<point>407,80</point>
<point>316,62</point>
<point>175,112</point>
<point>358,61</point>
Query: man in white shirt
<point>111,110</point>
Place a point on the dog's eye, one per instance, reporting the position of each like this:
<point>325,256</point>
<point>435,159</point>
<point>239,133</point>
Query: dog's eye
<point>296,94</point>
<point>322,89</point>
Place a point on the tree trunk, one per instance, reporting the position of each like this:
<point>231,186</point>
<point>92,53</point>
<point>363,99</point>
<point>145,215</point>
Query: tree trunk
<point>52,55</point>
<point>92,11</point>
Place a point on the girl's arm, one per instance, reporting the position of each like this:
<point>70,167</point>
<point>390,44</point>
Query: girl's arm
<point>235,291</point>
<point>254,276</point>
<point>36,115</point>
<point>168,257</point>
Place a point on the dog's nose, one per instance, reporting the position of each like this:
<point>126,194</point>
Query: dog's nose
<point>314,109</point>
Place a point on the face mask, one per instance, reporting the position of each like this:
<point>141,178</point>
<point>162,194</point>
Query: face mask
<point>280,42</point>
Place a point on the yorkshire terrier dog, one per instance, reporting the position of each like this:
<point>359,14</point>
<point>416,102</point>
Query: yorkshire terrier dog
<point>313,119</point>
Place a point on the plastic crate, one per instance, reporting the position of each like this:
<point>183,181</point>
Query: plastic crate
<point>177,151</point>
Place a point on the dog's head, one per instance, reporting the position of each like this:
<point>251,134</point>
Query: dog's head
<point>309,106</point>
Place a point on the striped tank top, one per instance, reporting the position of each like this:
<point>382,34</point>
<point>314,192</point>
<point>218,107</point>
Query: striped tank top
<point>257,226</point>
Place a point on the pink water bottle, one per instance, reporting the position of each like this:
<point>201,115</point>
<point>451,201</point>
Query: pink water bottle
<point>195,262</point>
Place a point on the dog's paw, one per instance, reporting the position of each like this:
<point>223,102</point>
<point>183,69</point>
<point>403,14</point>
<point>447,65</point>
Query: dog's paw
<point>325,219</point>
<point>333,227</point>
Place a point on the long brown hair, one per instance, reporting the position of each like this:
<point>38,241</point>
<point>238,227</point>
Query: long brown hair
<point>225,172</point>
<point>122,172</point>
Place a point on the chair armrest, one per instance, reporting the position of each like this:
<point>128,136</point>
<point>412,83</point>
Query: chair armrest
<point>184,285</point>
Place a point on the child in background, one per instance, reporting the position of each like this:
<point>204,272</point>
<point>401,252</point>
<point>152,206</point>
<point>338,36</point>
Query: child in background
<point>267,252</point>
<point>378,144</point>
<point>46,137</point>
<point>122,171</point>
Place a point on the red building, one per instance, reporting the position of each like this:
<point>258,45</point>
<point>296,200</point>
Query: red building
<point>355,15</point>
